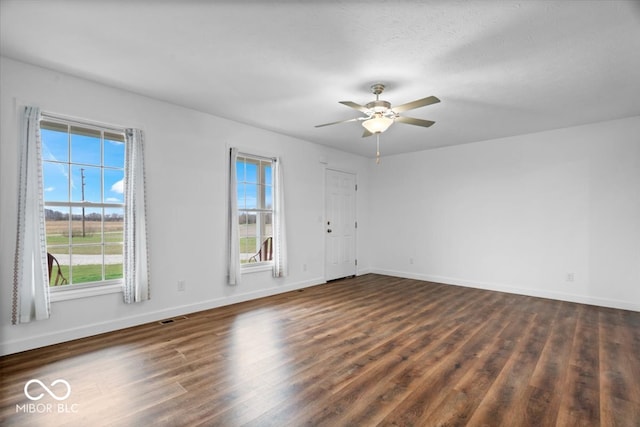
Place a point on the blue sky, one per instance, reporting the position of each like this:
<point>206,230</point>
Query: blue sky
<point>247,178</point>
<point>86,153</point>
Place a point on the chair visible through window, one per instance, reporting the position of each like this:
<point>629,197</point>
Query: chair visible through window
<point>59,279</point>
<point>265,253</point>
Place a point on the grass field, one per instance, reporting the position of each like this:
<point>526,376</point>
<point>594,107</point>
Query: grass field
<point>248,245</point>
<point>91,272</point>
<point>58,243</point>
<point>58,237</point>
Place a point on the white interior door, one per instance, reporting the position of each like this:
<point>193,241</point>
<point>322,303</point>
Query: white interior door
<point>340,224</point>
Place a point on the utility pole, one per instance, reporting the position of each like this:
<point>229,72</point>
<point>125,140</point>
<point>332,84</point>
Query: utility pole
<point>82,176</point>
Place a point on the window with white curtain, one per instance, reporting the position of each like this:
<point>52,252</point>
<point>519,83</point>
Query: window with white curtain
<point>81,226</point>
<point>83,170</point>
<point>257,231</point>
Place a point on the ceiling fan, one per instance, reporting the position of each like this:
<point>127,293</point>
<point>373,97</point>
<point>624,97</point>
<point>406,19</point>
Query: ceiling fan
<point>380,115</point>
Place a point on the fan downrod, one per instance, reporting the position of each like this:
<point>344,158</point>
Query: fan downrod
<point>378,106</point>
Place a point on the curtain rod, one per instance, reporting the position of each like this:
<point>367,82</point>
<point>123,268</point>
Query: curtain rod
<point>80,122</point>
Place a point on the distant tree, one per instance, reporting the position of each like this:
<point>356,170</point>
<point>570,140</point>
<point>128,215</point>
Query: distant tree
<point>51,215</point>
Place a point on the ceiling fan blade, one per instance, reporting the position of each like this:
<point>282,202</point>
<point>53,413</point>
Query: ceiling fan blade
<point>355,106</point>
<point>414,121</point>
<point>416,104</point>
<point>366,133</point>
<point>341,121</point>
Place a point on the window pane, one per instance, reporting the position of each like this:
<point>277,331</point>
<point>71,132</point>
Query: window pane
<point>113,261</point>
<point>251,219</point>
<point>86,226</point>
<point>56,182</point>
<point>57,227</point>
<point>55,145</point>
<point>239,171</point>
<point>268,225</point>
<point>268,203</point>
<point>87,264</point>
<point>247,242</point>
<point>113,151</point>
<point>268,178</point>
<point>85,146</point>
<point>251,173</point>
<point>114,225</point>
<point>250,196</point>
<point>264,229</point>
<point>241,199</point>
<point>114,186</point>
<point>247,246</point>
<point>86,184</point>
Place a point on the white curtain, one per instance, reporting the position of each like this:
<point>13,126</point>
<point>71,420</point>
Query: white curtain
<point>30,275</point>
<point>136,259</point>
<point>234,240</point>
<point>280,265</point>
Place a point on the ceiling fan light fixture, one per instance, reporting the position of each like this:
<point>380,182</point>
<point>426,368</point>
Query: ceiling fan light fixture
<point>377,124</point>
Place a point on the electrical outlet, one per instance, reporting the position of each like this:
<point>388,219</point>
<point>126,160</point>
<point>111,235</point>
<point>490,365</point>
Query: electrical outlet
<point>410,260</point>
<point>182,285</point>
<point>571,277</point>
<point>304,267</point>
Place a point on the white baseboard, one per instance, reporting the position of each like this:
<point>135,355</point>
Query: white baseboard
<point>582,299</point>
<point>363,271</point>
<point>84,331</point>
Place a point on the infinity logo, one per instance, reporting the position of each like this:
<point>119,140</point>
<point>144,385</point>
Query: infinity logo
<point>51,393</point>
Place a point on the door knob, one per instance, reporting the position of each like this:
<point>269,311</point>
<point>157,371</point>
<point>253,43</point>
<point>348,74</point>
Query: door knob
<point>329,230</point>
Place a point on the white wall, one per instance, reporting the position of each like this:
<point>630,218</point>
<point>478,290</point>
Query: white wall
<point>517,214</point>
<point>187,192</point>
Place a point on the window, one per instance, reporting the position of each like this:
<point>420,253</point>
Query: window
<point>83,175</point>
<point>255,209</point>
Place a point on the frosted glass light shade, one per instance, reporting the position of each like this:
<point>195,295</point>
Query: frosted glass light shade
<point>377,124</point>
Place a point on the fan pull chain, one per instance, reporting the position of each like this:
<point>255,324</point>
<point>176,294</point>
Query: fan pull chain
<point>377,148</point>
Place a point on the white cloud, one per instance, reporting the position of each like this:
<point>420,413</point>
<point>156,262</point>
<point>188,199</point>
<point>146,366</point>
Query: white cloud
<point>49,189</point>
<point>118,187</point>
<point>113,199</point>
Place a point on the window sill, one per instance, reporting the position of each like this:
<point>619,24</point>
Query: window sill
<point>70,292</point>
<point>254,268</point>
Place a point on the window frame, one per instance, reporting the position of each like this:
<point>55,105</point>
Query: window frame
<point>261,208</point>
<point>100,287</point>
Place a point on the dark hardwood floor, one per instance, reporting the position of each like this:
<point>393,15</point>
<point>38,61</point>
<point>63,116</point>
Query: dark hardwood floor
<point>373,350</point>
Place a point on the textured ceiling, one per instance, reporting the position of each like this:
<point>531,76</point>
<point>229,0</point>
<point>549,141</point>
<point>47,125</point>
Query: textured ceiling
<point>501,68</point>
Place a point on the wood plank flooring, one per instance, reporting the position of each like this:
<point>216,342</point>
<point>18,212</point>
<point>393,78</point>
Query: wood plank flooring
<point>372,350</point>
